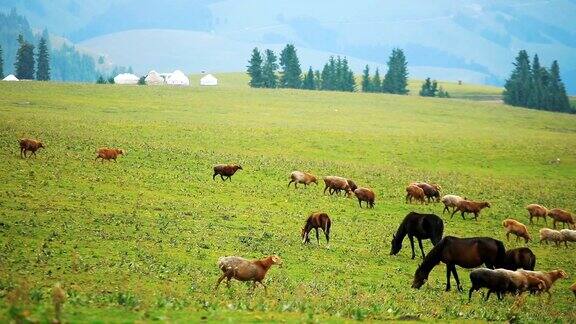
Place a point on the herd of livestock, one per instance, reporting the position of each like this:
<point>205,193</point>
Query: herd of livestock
<point>506,271</point>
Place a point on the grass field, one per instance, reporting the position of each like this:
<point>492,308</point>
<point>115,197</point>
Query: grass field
<point>138,239</point>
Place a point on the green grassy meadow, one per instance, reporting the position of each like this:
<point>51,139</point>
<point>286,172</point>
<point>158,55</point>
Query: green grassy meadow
<point>138,240</point>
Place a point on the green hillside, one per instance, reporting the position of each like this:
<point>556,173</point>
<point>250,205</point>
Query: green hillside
<point>138,240</point>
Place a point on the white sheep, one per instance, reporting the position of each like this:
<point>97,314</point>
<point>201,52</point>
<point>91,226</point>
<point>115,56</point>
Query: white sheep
<point>568,236</point>
<point>450,201</point>
<point>550,235</point>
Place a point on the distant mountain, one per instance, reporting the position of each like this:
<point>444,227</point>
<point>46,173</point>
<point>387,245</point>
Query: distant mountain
<point>474,37</point>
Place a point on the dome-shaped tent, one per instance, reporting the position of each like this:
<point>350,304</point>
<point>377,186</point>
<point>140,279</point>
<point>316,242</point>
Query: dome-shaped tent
<point>10,77</point>
<point>208,80</point>
<point>126,78</point>
<point>177,78</point>
<point>154,78</point>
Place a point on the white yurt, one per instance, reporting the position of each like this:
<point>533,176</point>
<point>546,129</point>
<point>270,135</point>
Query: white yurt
<point>177,78</point>
<point>208,80</point>
<point>126,78</point>
<point>10,77</point>
<point>154,78</point>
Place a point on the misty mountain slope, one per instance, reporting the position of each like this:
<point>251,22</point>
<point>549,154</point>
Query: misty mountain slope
<point>481,37</point>
<point>167,50</point>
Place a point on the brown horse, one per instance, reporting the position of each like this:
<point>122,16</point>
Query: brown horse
<point>465,252</point>
<point>316,221</point>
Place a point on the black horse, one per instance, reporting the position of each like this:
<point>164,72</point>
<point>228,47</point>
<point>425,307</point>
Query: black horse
<point>465,252</point>
<point>421,226</point>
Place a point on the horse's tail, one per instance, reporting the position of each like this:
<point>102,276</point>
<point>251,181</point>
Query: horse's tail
<point>437,230</point>
<point>327,226</point>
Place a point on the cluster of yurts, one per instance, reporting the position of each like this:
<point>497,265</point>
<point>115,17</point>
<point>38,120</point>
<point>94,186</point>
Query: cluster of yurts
<point>154,78</point>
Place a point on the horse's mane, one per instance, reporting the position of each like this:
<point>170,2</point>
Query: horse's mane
<point>433,257</point>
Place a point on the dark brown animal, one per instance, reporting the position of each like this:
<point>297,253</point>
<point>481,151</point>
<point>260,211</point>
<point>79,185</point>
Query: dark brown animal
<point>431,191</point>
<point>246,270</point>
<point>365,194</point>
<point>106,153</point>
<point>28,144</point>
<point>226,171</point>
<point>520,258</point>
<point>573,288</point>
<point>467,206</point>
<point>415,192</point>
<point>316,221</point>
<point>561,216</point>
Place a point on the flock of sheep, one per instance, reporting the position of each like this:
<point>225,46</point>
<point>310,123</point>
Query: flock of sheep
<point>499,281</point>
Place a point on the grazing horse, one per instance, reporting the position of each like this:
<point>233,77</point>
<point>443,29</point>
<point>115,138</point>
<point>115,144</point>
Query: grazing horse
<point>421,226</point>
<point>465,252</point>
<point>316,221</point>
<point>520,258</point>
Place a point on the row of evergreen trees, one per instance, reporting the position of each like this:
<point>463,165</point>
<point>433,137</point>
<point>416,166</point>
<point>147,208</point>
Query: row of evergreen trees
<point>534,86</point>
<point>264,72</point>
<point>396,77</point>
<point>29,66</point>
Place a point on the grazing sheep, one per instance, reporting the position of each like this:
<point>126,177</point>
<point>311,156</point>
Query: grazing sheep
<point>413,191</point>
<point>550,235</point>
<point>106,153</point>
<point>28,144</point>
<point>520,258</point>
<point>225,170</point>
<point>302,177</point>
<point>351,183</point>
<point>365,194</point>
<point>335,184</point>
<point>522,282</point>
<point>516,228</point>
<point>537,211</point>
<point>246,270</point>
<point>573,288</point>
<point>467,206</point>
<point>568,236</point>
<point>561,216</point>
<point>495,281</point>
<point>450,201</point>
<point>432,191</point>
<point>547,277</point>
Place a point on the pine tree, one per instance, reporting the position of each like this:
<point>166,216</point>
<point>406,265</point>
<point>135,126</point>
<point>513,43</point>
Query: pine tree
<point>255,69</point>
<point>101,80</point>
<point>376,82</point>
<point>329,75</point>
<point>1,63</point>
<point>317,80</point>
<point>536,95</point>
<point>348,83</point>
<point>558,98</point>
<point>309,82</point>
<point>366,82</point>
<point>517,87</point>
<point>291,71</point>
<point>269,77</point>
<point>443,93</point>
<point>425,89</point>
<point>43,67</point>
<point>396,78</point>
<point>24,64</point>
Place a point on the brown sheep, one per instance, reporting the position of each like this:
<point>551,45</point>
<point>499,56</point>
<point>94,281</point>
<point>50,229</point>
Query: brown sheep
<point>225,170</point>
<point>28,144</point>
<point>549,278</point>
<point>573,288</point>
<point>537,211</point>
<point>351,184</point>
<point>246,270</point>
<point>561,216</point>
<point>516,228</point>
<point>336,184</point>
<point>302,177</point>
<point>365,194</point>
<point>106,153</point>
<point>413,191</point>
<point>432,191</point>
<point>467,206</point>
